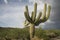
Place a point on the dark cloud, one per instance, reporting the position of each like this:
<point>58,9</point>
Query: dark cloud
<point>52,26</point>
<point>1,1</point>
<point>55,14</point>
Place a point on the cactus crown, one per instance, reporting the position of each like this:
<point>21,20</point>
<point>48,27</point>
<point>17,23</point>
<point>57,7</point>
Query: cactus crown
<point>42,17</point>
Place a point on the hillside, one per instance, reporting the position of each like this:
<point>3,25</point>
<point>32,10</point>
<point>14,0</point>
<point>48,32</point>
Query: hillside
<point>23,34</point>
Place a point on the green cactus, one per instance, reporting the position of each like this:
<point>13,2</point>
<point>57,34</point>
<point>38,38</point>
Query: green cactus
<point>35,21</point>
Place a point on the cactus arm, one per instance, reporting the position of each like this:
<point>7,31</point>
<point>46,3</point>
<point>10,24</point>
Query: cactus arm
<point>26,23</point>
<point>35,8</point>
<point>48,12</point>
<point>38,18</point>
<point>44,12</point>
<point>32,15</point>
<point>26,8</point>
<point>37,23</point>
<point>35,11</point>
<point>27,17</point>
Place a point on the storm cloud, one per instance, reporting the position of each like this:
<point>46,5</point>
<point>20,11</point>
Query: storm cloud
<point>54,16</point>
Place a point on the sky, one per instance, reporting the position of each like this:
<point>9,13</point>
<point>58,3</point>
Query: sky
<point>12,13</point>
<point>54,20</point>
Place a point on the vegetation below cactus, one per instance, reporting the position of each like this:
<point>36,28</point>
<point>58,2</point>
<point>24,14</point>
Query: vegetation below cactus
<point>23,34</point>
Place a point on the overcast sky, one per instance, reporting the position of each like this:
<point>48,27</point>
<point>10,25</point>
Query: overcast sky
<point>12,13</point>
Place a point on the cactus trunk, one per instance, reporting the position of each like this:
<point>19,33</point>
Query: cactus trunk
<point>32,31</point>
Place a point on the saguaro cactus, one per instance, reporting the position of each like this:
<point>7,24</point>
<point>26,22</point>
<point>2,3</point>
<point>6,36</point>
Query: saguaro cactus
<point>35,21</point>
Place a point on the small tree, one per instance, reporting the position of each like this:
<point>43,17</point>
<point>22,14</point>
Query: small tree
<point>35,21</point>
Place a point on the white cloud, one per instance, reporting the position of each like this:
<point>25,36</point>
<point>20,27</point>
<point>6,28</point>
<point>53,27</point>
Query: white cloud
<point>12,16</point>
<point>40,6</point>
<point>49,21</point>
<point>31,0</point>
<point>6,1</point>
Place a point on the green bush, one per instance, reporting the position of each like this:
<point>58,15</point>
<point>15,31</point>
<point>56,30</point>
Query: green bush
<point>17,33</point>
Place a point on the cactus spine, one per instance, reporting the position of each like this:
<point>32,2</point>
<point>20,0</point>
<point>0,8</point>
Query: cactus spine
<point>33,20</point>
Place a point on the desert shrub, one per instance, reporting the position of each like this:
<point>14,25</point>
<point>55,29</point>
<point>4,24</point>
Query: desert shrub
<point>23,34</point>
<point>40,33</point>
<point>56,32</point>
